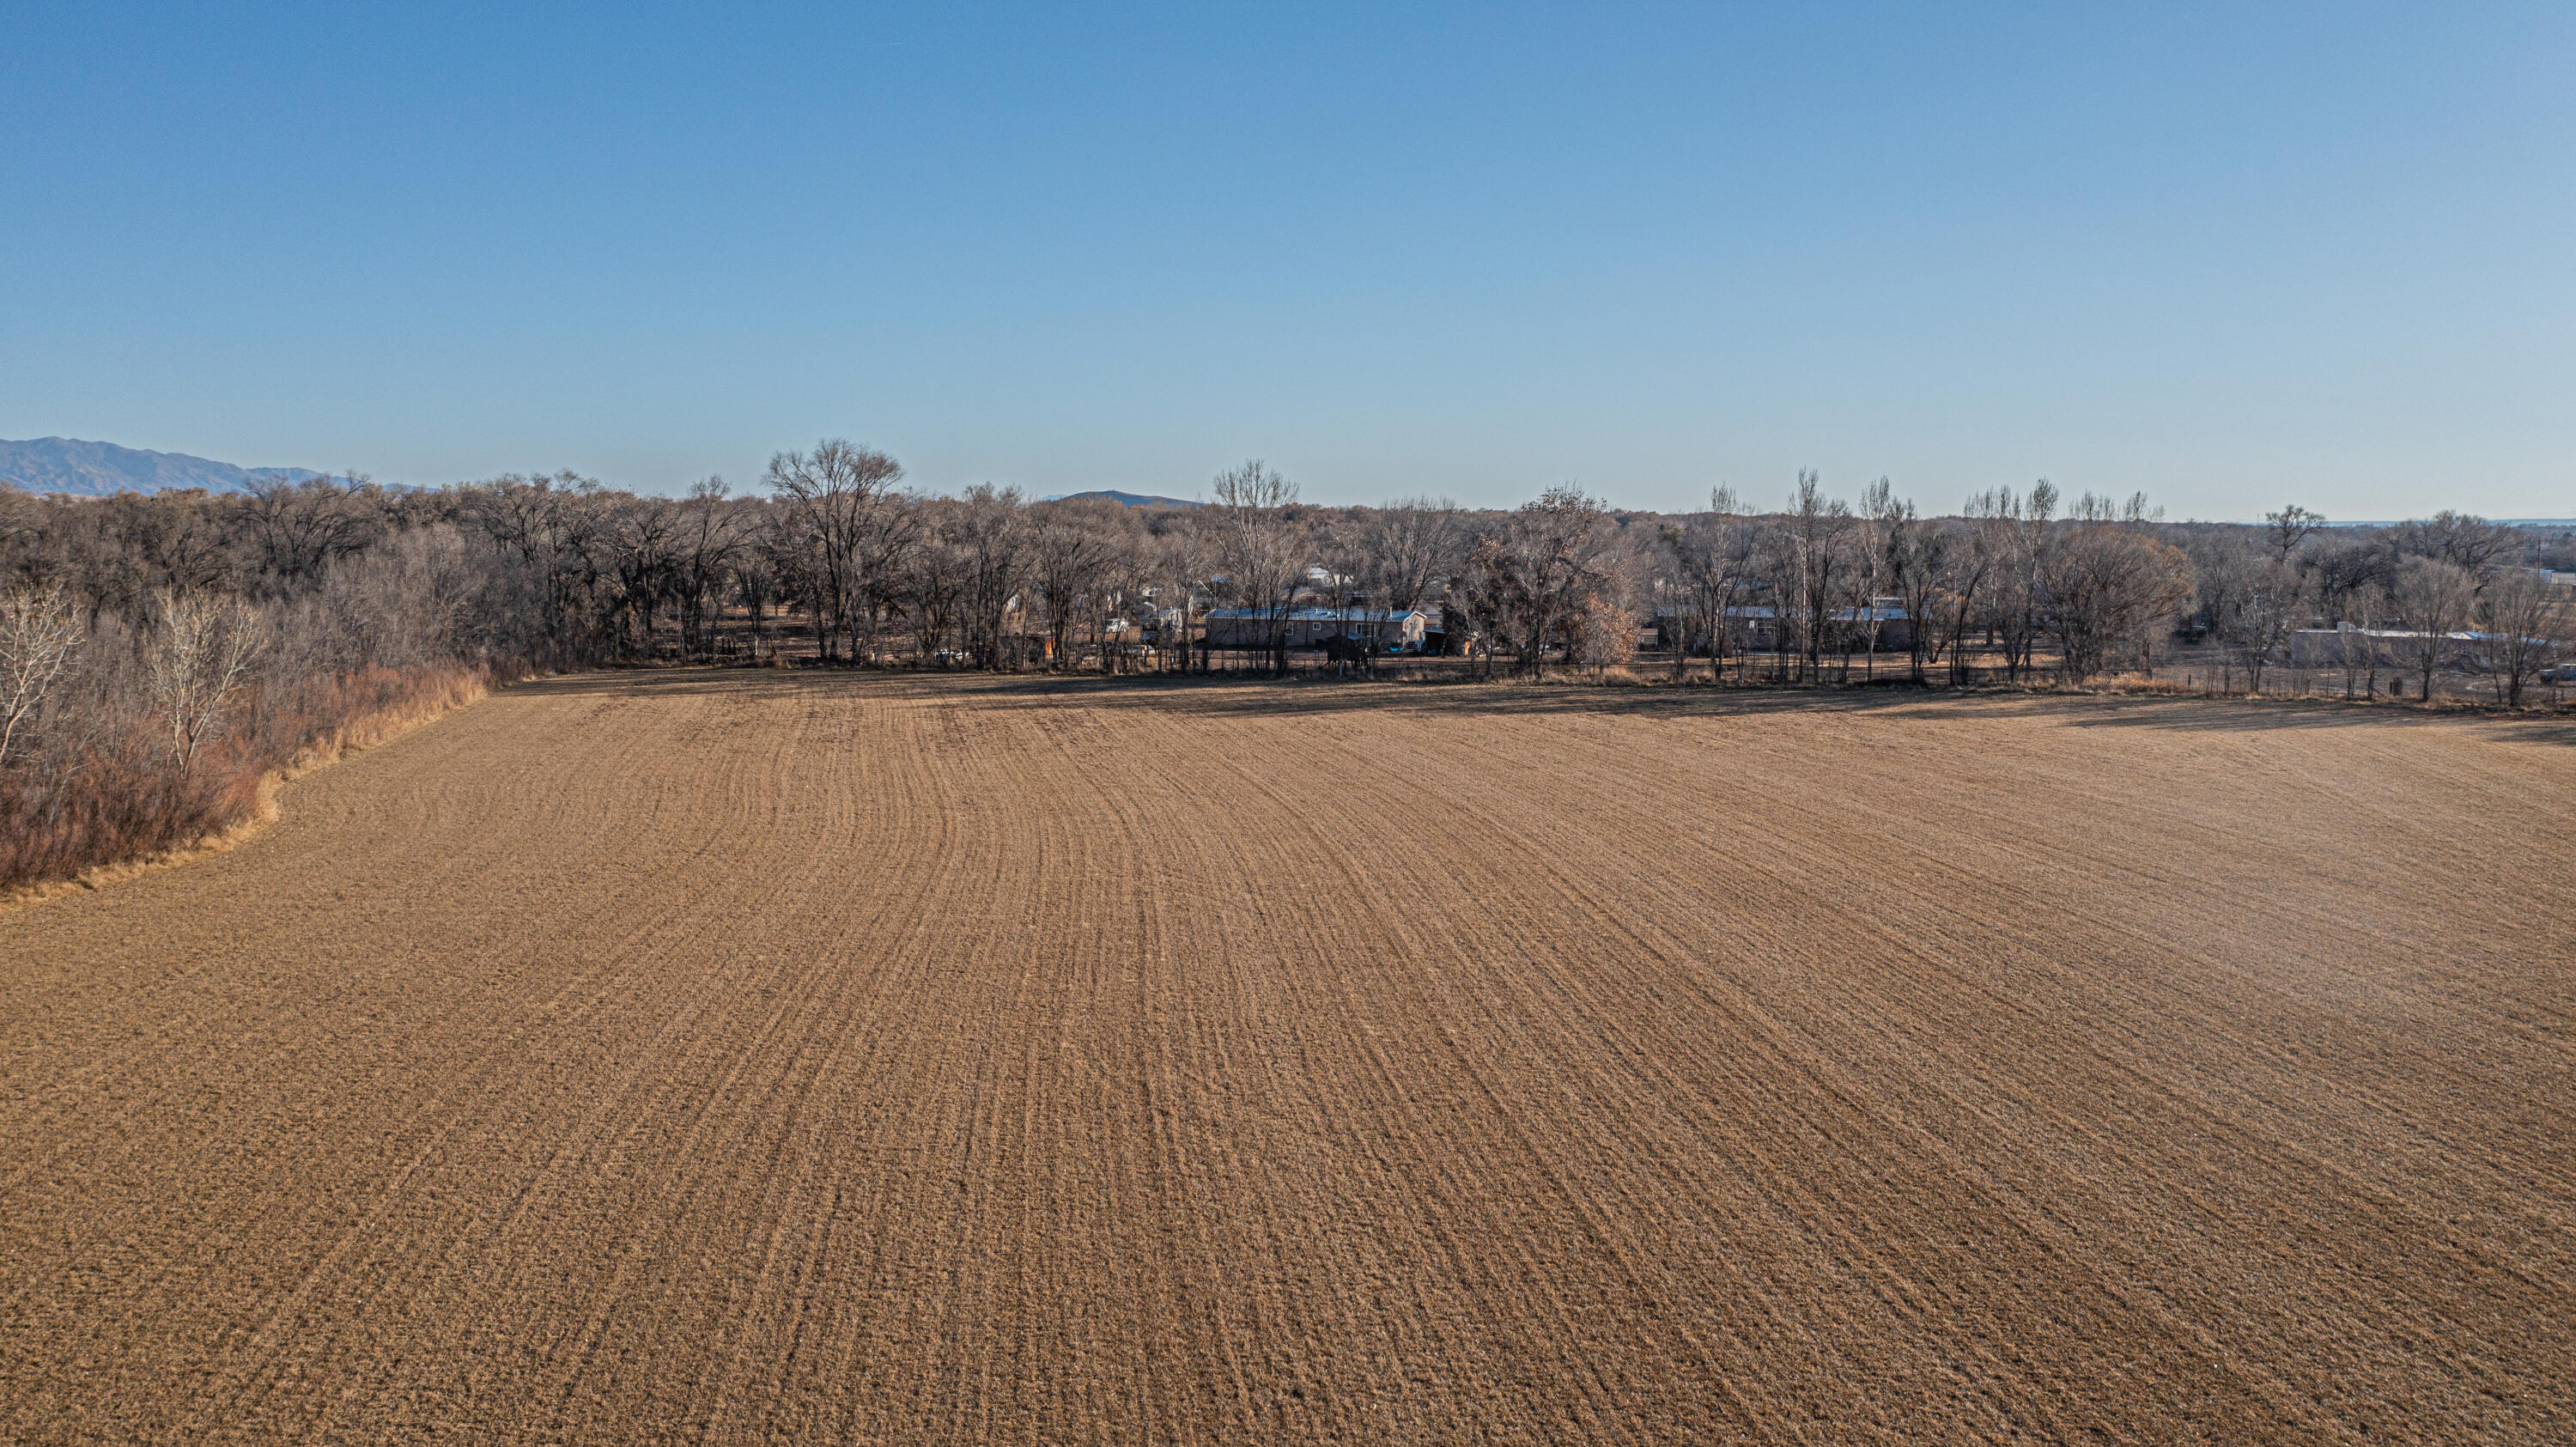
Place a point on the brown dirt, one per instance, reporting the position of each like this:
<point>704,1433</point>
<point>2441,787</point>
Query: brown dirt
<point>739,1057</point>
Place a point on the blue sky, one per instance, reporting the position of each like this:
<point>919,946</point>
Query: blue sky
<point>2233,255</point>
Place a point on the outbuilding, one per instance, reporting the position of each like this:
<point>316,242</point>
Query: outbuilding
<point>1387,630</point>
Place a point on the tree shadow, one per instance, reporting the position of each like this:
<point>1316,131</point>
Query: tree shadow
<point>1220,696</point>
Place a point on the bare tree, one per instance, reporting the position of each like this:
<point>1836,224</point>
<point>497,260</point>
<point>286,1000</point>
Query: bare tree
<point>767,570</point>
<point>1068,561</point>
<point>1261,547</point>
<point>1405,552</point>
<point>200,661</point>
<point>2460,539</point>
<point>1409,549</point>
<point>2019,590</point>
<point>2357,617</point>
<point>1963,589</point>
<point>1713,560</point>
<point>1816,534</point>
<point>838,493</point>
<point>1557,549</point>
<point>1117,594</point>
<point>711,531</point>
<point>643,539</point>
<point>1918,562</point>
<point>2523,619</point>
<point>2436,598</point>
<point>2267,600</point>
<point>2106,586</point>
<point>300,528</point>
<point>1182,559</point>
<point>40,630</point>
<point>1879,510</point>
<point>556,528</point>
<point>1487,594</point>
<point>2286,530</point>
<point>934,583</point>
<point>990,538</point>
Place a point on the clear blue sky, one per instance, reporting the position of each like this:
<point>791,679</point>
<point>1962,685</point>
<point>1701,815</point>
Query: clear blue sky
<point>2234,255</point>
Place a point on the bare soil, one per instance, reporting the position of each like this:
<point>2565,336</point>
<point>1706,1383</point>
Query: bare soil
<point>761,1056</point>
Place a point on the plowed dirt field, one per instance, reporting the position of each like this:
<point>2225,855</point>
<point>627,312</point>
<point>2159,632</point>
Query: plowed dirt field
<point>733,1057</point>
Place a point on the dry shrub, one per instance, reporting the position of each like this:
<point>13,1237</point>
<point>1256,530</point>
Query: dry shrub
<point>122,804</point>
<point>128,801</point>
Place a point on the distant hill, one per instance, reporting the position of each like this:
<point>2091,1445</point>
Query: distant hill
<point>1130,499</point>
<point>95,469</point>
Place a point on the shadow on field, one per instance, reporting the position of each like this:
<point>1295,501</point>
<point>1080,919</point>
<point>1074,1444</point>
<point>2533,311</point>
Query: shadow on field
<point>1222,696</point>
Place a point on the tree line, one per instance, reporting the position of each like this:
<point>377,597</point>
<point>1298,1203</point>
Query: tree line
<point>159,654</point>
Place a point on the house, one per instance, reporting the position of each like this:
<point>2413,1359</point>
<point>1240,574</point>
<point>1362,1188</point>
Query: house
<point>1751,626</point>
<point>2350,647</point>
<point>1756,626</point>
<point>2392,647</point>
<point>1887,618</point>
<point>1390,630</point>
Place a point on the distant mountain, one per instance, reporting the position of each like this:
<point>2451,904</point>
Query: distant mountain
<point>1129,499</point>
<point>95,469</point>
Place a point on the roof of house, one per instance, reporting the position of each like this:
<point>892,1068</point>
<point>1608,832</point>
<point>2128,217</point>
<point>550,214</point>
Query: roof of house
<point>2409,634</point>
<point>1320,615</point>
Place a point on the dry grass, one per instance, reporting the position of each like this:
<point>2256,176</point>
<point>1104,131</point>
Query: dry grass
<point>350,714</point>
<point>751,1057</point>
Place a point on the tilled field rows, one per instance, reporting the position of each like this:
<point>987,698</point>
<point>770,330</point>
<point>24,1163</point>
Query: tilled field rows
<point>728,1057</point>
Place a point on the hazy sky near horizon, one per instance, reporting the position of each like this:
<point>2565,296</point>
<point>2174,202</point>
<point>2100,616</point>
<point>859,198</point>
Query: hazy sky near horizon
<point>2233,255</point>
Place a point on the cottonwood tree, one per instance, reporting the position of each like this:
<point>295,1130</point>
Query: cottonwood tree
<point>989,542</point>
<point>201,659</point>
<point>1558,554</point>
<point>711,531</point>
<point>1816,554</point>
<point>40,631</point>
<point>2437,598</point>
<point>934,587</point>
<point>643,540</point>
<point>884,569</point>
<point>2268,601</point>
<point>1918,565</point>
<point>2342,571</point>
<point>556,529</point>
<point>1963,581</point>
<point>1877,517</point>
<point>1410,547</point>
<point>1714,562</point>
<point>1262,548</point>
<point>2286,530</point>
<point>766,573</point>
<point>2460,539</point>
<point>145,545</point>
<point>840,494</point>
<point>301,528</point>
<point>1405,552</point>
<point>2523,617</point>
<point>1068,563</point>
<point>1487,595</point>
<point>2019,590</point>
<point>1181,558</point>
<point>1125,602</point>
<point>2106,587</point>
<point>2358,615</point>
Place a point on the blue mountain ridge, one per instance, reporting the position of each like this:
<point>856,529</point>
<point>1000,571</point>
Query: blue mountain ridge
<point>96,469</point>
<point>1129,499</point>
